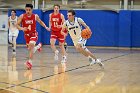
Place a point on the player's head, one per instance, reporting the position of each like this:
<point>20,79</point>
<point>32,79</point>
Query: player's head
<point>13,12</point>
<point>28,8</point>
<point>71,15</point>
<point>56,8</point>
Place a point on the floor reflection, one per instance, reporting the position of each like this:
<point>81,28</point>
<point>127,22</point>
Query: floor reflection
<point>59,80</point>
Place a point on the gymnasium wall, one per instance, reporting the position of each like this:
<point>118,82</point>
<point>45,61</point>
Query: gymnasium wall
<point>109,28</point>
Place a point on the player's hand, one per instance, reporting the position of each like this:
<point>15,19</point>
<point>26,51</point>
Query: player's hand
<point>24,29</point>
<point>48,29</point>
<point>64,34</point>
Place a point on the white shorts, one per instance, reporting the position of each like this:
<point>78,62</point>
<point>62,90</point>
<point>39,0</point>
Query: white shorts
<point>13,33</point>
<point>80,41</point>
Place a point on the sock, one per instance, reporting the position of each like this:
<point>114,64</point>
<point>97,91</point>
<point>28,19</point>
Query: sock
<point>30,61</point>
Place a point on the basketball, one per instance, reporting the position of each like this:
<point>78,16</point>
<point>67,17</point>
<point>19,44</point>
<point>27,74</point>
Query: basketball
<point>86,33</point>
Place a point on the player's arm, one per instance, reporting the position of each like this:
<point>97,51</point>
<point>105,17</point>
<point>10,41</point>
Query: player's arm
<point>63,29</point>
<point>83,23</point>
<point>19,22</point>
<point>41,22</point>
<point>63,19</point>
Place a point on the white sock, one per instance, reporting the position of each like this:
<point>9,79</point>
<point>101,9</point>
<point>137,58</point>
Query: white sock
<point>36,47</point>
<point>30,61</point>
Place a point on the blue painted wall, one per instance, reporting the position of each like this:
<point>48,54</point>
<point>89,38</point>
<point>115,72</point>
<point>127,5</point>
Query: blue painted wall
<point>109,28</point>
<point>135,29</point>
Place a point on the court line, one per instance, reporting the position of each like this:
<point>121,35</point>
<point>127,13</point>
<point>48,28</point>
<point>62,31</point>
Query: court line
<point>14,85</point>
<point>21,84</point>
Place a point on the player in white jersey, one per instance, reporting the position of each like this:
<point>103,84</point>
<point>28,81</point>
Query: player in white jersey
<point>13,31</point>
<point>73,25</point>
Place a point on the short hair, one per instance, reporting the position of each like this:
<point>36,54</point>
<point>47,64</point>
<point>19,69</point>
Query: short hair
<point>56,5</point>
<point>13,10</point>
<point>29,5</point>
<point>71,11</point>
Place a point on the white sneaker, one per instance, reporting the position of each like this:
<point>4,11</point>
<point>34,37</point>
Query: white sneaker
<point>98,61</point>
<point>91,60</point>
<point>56,55</point>
<point>64,59</point>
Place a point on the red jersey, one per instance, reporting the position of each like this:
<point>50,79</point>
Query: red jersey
<point>56,20</point>
<point>29,22</point>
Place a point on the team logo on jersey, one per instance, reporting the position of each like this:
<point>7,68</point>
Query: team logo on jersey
<point>55,19</point>
<point>73,27</point>
<point>29,21</point>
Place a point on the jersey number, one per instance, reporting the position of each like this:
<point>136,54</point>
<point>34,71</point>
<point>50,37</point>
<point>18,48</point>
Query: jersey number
<point>55,24</point>
<point>29,27</point>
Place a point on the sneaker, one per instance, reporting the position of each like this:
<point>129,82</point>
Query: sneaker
<point>64,59</point>
<point>56,55</point>
<point>98,61</point>
<point>40,48</point>
<point>91,60</point>
<point>28,65</point>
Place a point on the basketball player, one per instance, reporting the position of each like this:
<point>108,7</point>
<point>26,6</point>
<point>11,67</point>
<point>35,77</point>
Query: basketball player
<point>73,25</point>
<point>28,21</point>
<point>13,31</point>
<point>56,19</point>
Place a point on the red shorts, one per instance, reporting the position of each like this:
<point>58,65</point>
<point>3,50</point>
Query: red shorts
<point>31,37</point>
<point>57,35</point>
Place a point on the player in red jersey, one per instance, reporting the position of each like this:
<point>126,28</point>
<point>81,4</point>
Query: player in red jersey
<point>28,21</point>
<point>56,21</point>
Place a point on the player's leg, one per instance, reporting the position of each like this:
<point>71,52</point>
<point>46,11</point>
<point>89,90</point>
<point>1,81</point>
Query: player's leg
<point>65,43</point>
<point>38,47</point>
<point>14,44</point>
<point>52,42</point>
<point>10,37</point>
<point>84,51</point>
<point>61,40</point>
<point>63,51</point>
<point>28,63</point>
<point>11,41</point>
<point>91,57</point>
<point>65,46</point>
<point>31,48</point>
<point>31,41</point>
<point>80,46</point>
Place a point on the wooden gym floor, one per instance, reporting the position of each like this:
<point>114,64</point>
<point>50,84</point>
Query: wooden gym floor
<point>121,73</point>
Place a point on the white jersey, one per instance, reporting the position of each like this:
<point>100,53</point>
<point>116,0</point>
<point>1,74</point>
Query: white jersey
<point>13,31</point>
<point>74,28</point>
<point>13,23</point>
